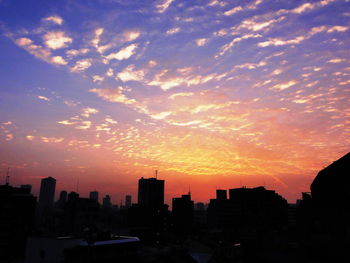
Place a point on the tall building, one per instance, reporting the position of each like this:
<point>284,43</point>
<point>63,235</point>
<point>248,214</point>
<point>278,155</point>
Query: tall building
<point>221,194</point>
<point>17,207</point>
<point>106,202</point>
<point>27,186</point>
<point>151,193</point>
<point>248,208</point>
<point>94,195</point>
<point>182,213</point>
<point>62,199</point>
<point>80,213</point>
<point>128,201</point>
<point>47,192</point>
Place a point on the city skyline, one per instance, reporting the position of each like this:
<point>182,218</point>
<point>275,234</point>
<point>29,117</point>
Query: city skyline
<point>213,94</point>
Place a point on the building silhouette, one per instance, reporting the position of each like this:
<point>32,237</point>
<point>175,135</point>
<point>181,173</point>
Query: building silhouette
<point>182,214</point>
<point>94,195</point>
<point>27,186</point>
<point>62,199</point>
<point>47,193</point>
<point>254,208</point>
<point>221,194</point>
<point>106,202</point>
<point>151,193</point>
<point>323,216</point>
<point>17,209</point>
<point>80,214</point>
<point>128,201</point>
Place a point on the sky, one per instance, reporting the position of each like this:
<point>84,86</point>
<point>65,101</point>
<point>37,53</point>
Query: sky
<point>212,94</point>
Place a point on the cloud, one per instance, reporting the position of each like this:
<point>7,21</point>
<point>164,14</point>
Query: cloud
<point>280,42</point>
<point>9,137</point>
<point>56,40</point>
<point>113,95</point>
<point>162,7</point>
<point>129,74</point>
<point>201,41</point>
<point>97,78</point>
<point>336,60</point>
<point>131,35</point>
<point>277,72</point>
<point>51,139</point>
<point>181,94</point>
<point>81,65</point>
<point>283,86</point>
<point>71,103</point>
<point>66,122</point>
<point>217,2</point>
<point>173,31</point>
<point>84,125</point>
<point>110,120</point>
<point>152,63</point>
<point>58,60</point>
<point>43,98</point>
<point>54,19</point>
<point>95,42</point>
<point>110,72</point>
<point>296,40</point>
<point>30,137</point>
<point>89,111</point>
<point>253,25</point>
<point>228,46</point>
<point>23,41</point>
<point>161,115</point>
<point>35,50</point>
<point>233,10</point>
<point>124,53</point>
<point>75,52</point>
<point>252,65</point>
<point>237,9</point>
<point>337,29</point>
<point>302,8</point>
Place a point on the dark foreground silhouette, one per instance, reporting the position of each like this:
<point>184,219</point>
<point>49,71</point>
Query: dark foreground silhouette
<point>239,225</point>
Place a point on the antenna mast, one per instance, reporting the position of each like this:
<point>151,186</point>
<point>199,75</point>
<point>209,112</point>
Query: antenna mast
<point>78,185</point>
<point>156,174</point>
<point>8,176</point>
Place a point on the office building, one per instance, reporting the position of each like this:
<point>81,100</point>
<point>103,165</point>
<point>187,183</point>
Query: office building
<point>128,201</point>
<point>62,199</point>
<point>182,214</point>
<point>106,202</point>
<point>47,193</point>
<point>151,193</point>
<point>17,208</point>
<point>94,195</point>
<point>27,186</point>
<point>221,194</point>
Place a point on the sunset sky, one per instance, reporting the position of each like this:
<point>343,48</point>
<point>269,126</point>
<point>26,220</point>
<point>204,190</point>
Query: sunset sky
<point>212,94</point>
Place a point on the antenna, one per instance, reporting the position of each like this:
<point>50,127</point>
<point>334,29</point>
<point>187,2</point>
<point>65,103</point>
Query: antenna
<point>189,189</point>
<point>156,174</point>
<point>8,176</point>
<point>78,185</point>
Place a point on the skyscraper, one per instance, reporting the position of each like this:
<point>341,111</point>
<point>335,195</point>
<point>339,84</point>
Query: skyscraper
<point>17,208</point>
<point>183,213</point>
<point>128,201</point>
<point>106,201</point>
<point>94,195</point>
<point>47,192</point>
<point>151,193</point>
